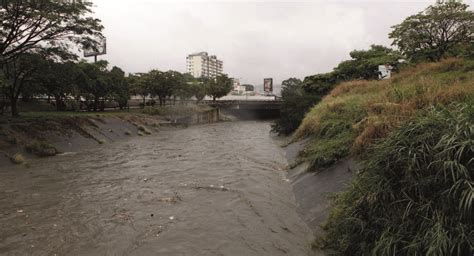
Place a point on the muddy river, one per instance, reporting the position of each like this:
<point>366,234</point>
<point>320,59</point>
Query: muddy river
<point>217,189</point>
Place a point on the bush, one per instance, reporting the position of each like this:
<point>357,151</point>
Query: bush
<point>144,130</point>
<point>415,195</point>
<point>17,158</point>
<point>41,148</point>
<point>292,112</point>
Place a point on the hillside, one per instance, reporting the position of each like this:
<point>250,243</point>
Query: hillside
<point>414,194</point>
<point>357,113</point>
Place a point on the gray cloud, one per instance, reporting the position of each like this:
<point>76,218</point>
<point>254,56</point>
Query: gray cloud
<point>255,39</point>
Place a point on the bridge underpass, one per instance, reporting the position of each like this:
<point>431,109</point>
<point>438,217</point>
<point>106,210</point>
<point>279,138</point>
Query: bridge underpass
<point>248,109</point>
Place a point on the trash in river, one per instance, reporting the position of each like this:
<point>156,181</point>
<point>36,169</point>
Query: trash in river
<point>19,211</point>
<point>171,218</point>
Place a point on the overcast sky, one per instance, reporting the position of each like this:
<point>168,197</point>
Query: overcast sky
<point>254,39</point>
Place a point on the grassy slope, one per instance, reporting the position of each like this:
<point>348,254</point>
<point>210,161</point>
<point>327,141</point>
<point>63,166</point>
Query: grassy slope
<point>357,113</point>
<point>415,194</point>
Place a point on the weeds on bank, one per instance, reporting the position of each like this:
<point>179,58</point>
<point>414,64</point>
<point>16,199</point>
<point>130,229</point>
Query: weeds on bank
<point>41,148</point>
<point>358,113</point>
<point>416,193</point>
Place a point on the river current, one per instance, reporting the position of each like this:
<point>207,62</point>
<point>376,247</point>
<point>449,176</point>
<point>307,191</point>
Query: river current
<point>216,189</point>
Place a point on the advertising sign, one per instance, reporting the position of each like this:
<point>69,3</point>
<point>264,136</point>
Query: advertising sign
<point>385,71</point>
<point>101,49</point>
<point>268,85</point>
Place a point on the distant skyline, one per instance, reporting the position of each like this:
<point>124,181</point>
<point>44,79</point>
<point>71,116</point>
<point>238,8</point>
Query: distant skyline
<point>254,39</point>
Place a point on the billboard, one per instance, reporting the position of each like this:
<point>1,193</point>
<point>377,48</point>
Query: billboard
<point>268,85</point>
<point>385,71</point>
<point>100,50</point>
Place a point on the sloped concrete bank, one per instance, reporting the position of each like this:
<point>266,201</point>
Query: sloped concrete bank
<point>23,139</point>
<point>313,190</point>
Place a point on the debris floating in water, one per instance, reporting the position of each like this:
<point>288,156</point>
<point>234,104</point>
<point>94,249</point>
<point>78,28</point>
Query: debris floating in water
<point>171,218</point>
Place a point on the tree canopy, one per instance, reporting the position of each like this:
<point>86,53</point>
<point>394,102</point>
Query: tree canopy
<point>54,27</point>
<point>218,87</point>
<point>441,30</point>
<point>364,63</point>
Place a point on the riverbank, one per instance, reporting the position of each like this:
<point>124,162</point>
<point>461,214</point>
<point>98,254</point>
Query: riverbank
<point>43,134</point>
<point>314,190</point>
<point>414,134</point>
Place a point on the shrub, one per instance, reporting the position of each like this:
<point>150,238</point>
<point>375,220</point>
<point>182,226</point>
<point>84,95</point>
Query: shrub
<point>292,112</point>
<point>17,158</point>
<point>144,130</point>
<point>415,195</point>
<point>41,148</point>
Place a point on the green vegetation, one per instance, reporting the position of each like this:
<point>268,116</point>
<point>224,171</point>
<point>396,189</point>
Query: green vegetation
<point>414,133</point>
<point>441,30</point>
<point>38,59</point>
<point>357,113</point>
<point>298,97</point>
<point>296,102</point>
<point>219,87</point>
<point>41,148</point>
<point>415,195</point>
<point>32,31</point>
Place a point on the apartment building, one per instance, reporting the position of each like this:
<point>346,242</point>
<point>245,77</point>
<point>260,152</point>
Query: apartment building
<point>202,64</point>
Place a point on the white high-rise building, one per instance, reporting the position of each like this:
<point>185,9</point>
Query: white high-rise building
<point>203,65</point>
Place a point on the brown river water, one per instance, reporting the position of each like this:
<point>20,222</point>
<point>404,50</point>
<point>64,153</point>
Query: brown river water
<point>217,189</point>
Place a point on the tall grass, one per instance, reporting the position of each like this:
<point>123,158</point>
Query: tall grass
<point>358,113</point>
<point>415,195</point>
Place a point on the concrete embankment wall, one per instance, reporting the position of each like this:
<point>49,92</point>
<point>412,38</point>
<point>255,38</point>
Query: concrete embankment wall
<point>72,134</point>
<point>209,116</point>
<point>313,190</point>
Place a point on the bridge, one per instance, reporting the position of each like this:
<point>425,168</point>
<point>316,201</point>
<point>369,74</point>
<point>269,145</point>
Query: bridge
<point>251,107</point>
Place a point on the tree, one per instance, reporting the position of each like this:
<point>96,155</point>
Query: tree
<point>139,86</point>
<point>219,87</point>
<point>46,25</point>
<point>198,91</point>
<point>57,80</point>
<point>437,32</point>
<point>364,63</point>
<point>290,85</point>
<point>94,84</point>
<point>180,84</point>
<point>249,87</point>
<point>120,87</point>
<point>16,75</point>
<point>160,84</point>
<point>296,102</point>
